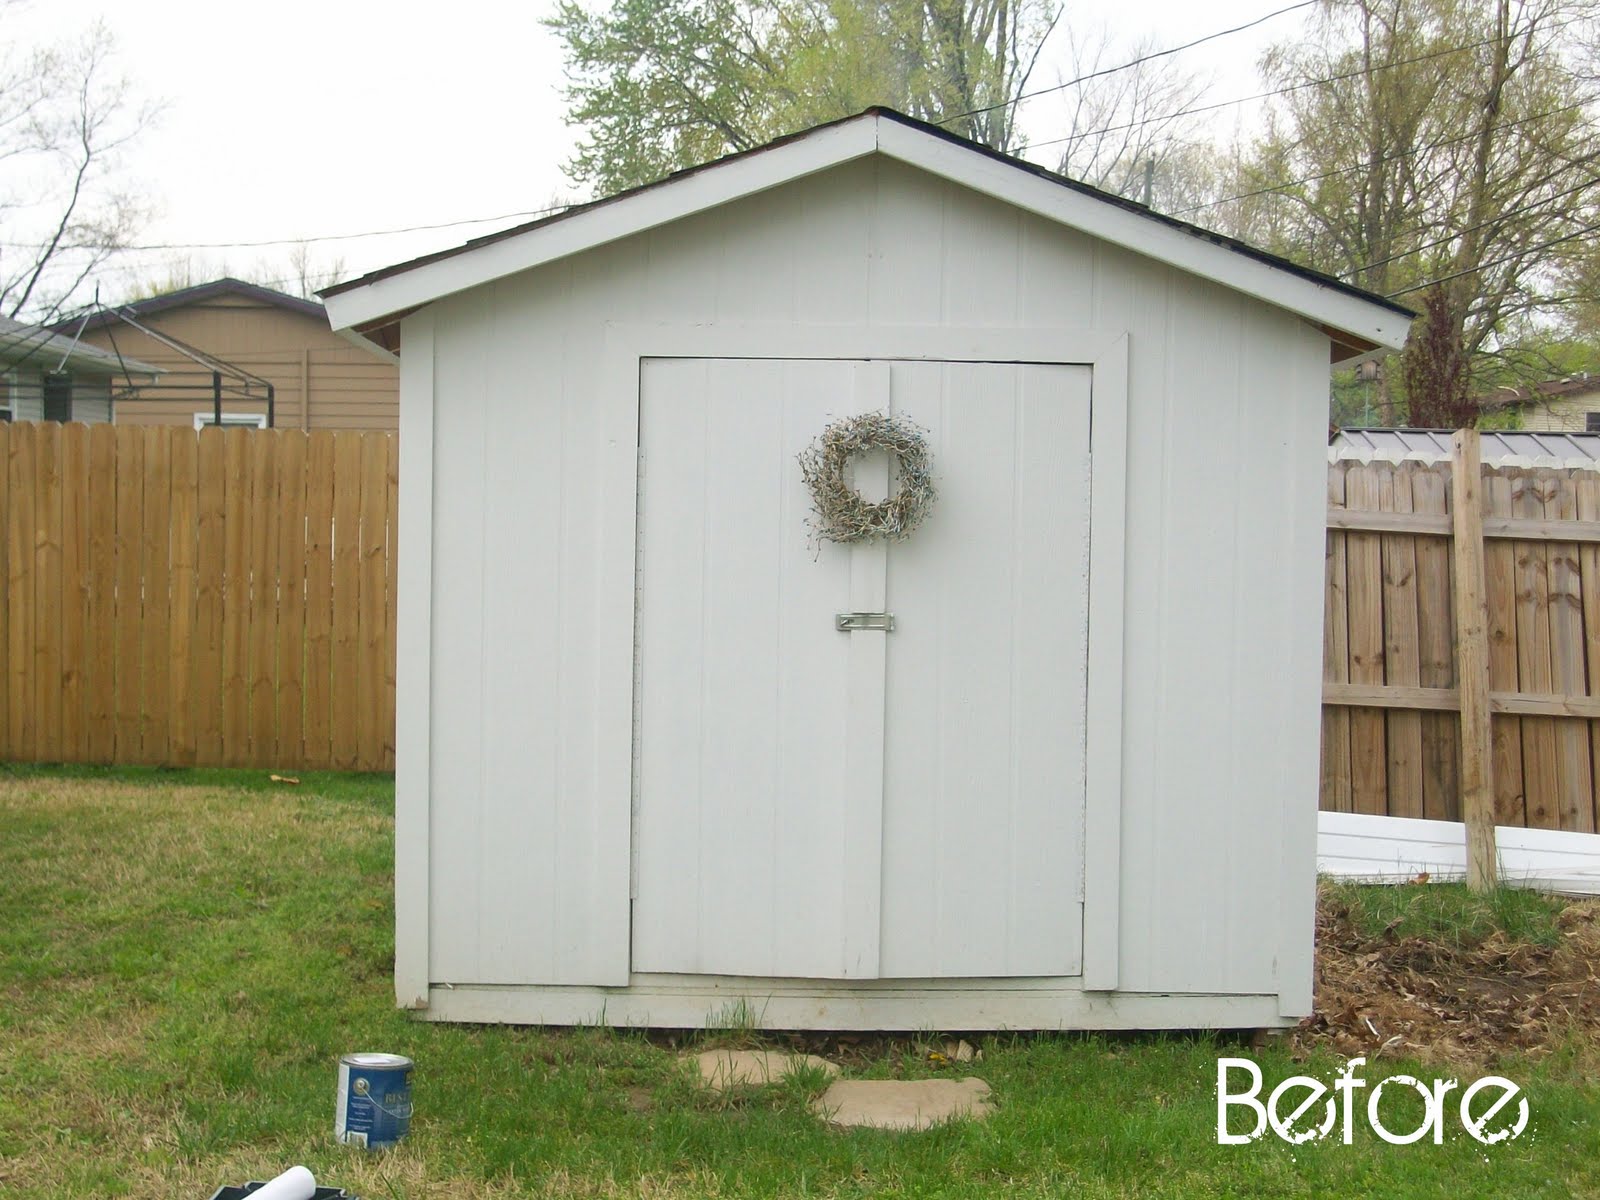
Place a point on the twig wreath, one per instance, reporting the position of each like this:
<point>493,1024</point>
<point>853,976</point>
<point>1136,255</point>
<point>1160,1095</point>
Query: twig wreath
<point>841,513</point>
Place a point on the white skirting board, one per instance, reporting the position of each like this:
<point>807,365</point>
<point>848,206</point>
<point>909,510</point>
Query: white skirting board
<point>1395,849</point>
<point>706,1001</point>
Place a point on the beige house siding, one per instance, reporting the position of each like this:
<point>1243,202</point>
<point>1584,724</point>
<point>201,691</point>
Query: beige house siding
<point>1566,414</point>
<point>321,381</point>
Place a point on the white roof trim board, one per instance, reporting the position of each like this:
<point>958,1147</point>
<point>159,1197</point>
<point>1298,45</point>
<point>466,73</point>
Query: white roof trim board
<point>1188,248</point>
<point>1502,448</point>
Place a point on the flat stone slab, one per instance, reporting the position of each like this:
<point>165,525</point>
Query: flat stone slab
<point>724,1069</point>
<point>903,1103</point>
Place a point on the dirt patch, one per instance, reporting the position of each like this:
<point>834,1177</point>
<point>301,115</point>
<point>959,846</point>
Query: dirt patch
<point>1467,1003</point>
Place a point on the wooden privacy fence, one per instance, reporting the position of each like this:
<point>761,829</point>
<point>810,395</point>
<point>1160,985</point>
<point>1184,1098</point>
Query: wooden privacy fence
<point>222,597</point>
<point>1390,727</point>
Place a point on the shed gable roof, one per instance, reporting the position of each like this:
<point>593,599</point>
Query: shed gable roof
<point>1355,320</point>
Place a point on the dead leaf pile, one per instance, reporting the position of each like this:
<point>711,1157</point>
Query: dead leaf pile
<point>1410,997</point>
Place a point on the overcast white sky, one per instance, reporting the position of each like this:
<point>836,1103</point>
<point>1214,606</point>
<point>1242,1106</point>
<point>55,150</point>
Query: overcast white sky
<point>305,118</point>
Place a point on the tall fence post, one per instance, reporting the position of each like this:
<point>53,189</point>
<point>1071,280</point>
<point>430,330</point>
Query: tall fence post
<point>1472,660</point>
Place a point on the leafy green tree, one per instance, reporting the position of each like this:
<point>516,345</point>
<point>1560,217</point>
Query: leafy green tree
<point>660,85</point>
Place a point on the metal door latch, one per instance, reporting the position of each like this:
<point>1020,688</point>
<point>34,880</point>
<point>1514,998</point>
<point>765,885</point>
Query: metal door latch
<point>845,622</point>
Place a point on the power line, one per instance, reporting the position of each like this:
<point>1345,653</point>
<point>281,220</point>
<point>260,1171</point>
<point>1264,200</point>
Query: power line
<point>1210,37</point>
<point>1417,287</point>
<point>1499,216</point>
<point>1282,91</point>
<point>295,241</point>
<point>1368,165</point>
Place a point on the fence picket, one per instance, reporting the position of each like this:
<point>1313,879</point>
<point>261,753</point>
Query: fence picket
<point>1401,644</point>
<point>1335,657</point>
<point>263,618</point>
<point>1539,770</point>
<point>1587,485</point>
<point>211,541</point>
<point>391,559</point>
<point>73,600</point>
<point>373,634</point>
<point>183,451</point>
<point>237,509</point>
<point>100,634</point>
<point>346,596</point>
<point>47,594</point>
<point>19,585</point>
<point>1364,589</point>
<point>1574,787</point>
<point>129,599</point>
<point>155,639</point>
<point>292,555</point>
<point>319,685</point>
<point>1441,788</point>
<point>5,587</point>
<point>1500,582</point>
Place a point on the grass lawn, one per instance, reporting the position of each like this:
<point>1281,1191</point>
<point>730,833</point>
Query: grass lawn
<point>184,956</point>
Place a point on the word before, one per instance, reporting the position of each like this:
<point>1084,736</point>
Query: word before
<point>1339,1101</point>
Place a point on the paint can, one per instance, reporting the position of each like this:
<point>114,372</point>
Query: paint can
<point>374,1100</point>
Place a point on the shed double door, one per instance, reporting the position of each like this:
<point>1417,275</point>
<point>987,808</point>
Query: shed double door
<point>821,804</point>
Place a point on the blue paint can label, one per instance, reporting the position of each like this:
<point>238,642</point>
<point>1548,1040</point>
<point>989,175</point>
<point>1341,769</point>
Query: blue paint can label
<point>374,1100</point>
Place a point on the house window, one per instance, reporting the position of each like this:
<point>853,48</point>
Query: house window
<point>249,420</point>
<point>8,396</point>
<point>1591,422</point>
<point>57,397</point>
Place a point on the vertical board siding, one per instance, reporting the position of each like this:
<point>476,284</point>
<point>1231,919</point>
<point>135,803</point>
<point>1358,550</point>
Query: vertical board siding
<point>1388,622</point>
<point>164,596</point>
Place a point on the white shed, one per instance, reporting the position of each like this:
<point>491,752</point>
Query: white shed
<point>643,775</point>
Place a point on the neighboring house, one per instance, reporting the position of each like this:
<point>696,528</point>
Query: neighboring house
<point>320,380</point>
<point>1566,404</point>
<point>47,376</point>
<point>1502,447</point>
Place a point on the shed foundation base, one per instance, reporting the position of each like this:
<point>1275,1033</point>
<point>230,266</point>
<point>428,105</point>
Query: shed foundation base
<point>701,1002</point>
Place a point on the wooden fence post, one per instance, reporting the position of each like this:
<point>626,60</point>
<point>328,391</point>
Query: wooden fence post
<point>1472,661</point>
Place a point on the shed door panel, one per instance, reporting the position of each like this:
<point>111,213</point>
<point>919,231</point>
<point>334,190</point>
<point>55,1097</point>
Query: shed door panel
<point>819,804</point>
<point>742,791</point>
<point>984,746</point>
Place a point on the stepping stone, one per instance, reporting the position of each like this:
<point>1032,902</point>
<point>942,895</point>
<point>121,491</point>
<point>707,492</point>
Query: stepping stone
<point>724,1069</point>
<point>903,1103</point>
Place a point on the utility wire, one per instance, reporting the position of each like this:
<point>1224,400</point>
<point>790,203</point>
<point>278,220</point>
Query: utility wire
<point>294,241</point>
<point>1210,37</point>
<point>1500,216</point>
<point>1417,287</point>
<point>1282,91</point>
<point>1368,165</point>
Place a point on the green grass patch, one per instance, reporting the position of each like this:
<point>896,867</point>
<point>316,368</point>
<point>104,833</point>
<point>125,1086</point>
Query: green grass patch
<point>1448,913</point>
<point>185,955</point>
